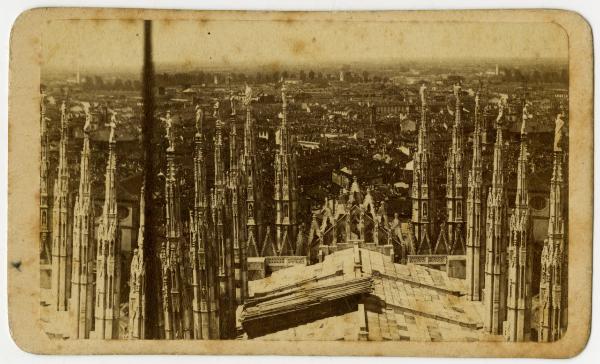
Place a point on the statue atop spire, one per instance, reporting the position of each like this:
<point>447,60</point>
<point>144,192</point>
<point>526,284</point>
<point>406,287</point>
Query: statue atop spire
<point>199,120</point>
<point>247,100</point>
<point>526,115</point>
<point>558,132</point>
<point>422,93</point>
<point>63,115</point>
<point>168,131</point>
<point>112,126</point>
<point>88,119</point>
<point>502,105</point>
<point>283,95</point>
<point>216,110</point>
<point>456,89</point>
<point>232,103</point>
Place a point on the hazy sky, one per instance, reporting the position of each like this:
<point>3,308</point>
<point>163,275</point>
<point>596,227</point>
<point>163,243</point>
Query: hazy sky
<point>115,44</point>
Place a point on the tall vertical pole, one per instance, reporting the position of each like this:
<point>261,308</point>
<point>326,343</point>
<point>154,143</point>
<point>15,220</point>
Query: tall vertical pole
<point>150,243</point>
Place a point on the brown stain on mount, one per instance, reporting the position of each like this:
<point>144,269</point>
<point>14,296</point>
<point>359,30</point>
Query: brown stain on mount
<point>274,66</point>
<point>130,21</point>
<point>298,47</point>
<point>301,47</point>
<point>289,19</point>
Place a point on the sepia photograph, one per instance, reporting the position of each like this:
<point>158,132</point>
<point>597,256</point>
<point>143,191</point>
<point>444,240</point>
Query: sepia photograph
<point>286,177</point>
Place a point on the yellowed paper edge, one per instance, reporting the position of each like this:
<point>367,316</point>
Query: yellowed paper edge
<point>23,192</point>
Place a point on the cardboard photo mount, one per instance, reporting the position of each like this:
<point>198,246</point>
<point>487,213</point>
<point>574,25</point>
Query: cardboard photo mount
<point>23,188</point>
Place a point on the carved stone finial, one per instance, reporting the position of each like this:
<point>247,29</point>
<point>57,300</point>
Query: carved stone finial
<point>502,103</point>
<point>63,115</point>
<point>216,109</point>
<point>457,90</point>
<point>232,103</point>
<point>247,95</point>
<point>283,95</point>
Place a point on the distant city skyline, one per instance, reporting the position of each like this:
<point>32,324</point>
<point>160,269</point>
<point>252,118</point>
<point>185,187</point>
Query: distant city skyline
<point>116,46</point>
